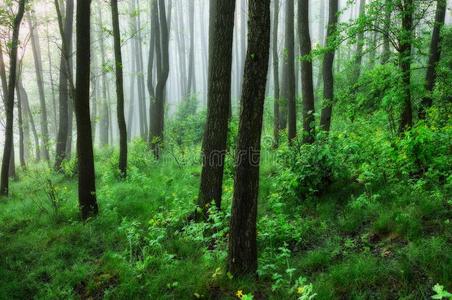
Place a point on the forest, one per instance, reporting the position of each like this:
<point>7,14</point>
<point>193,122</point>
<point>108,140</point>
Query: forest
<point>226,149</point>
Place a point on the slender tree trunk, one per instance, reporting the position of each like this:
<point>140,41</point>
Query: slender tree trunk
<point>104,117</point>
<point>359,44</point>
<point>221,32</point>
<point>152,44</point>
<point>204,53</point>
<point>306,72</point>
<point>12,169</point>
<point>288,92</point>
<point>21,124</point>
<point>435,54</point>
<point>321,40</point>
<point>275,36</point>
<point>86,178</point>
<point>119,91</point>
<point>387,24</point>
<point>191,84</point>
<point>39,78</point>
<point>52,85</point>
<point>158,107</point>
<point>27,110</point>
<point>328,62</point>
<point>131,112</point>
<point>242,256</point>
<point>9,102</point>
<point>66,83</point>
<point>182,54</point>
<point>406,117</point>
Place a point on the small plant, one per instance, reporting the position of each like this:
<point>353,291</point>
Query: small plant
<point>440,292</point>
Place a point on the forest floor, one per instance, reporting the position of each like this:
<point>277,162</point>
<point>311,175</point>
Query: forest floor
<point>350,243</point>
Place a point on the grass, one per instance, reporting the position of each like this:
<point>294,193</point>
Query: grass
<point>347,242</point>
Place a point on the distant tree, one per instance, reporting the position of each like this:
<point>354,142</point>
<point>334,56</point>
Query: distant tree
<point>20,122</point>
<point>242,256</point>
<point>387,25</point>
<point>328,61</point>
<point>9,101</point>
<point>191,84</point>
<point>435,54</point>
<point>105,107</point>
<point>119,90</point>
<point>86,174</point>
<point>221,30</point>
<point>66,84</point>
<point>275,57</point>
<point>306,72</point>
<point>359,45</point>
<point>36,47</point>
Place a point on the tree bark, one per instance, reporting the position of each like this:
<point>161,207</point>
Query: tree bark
<point>158,106</point>
<point>86,178</point>
<point>306,72</point>
<point>9,102</point>
<point>119,91</point>
<point>435,54</point>
<point>328,61</point>
<point>242,259</point>
<point>221,31</point>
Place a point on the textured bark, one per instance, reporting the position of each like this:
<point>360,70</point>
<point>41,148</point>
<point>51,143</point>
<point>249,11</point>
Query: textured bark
<point>9,102</point>
<point>288,82</point>
<point>119,91</point>
<point>306,72</point>
<point>276,91</point>
<point>405,47</point>
<point>86,178</point>
<point>162,56</point>
<point>242,258</point>
<point>221,31</point>
<point>66,83</point>
<point>435,54</point>
<point>328,61</point>
<point>40,81</point>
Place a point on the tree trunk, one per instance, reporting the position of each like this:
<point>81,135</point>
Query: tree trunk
<point>288,91</point>
<point>119,91</point>
<point>86,178</point>
<point>221,32</point>
<point>104,117</point>
<point>435,54</point>
<point>21,124</point>
<point>158,106</point>
<point>9,102</point>
<point>387,24</point>
<point>306,72</point>
<point>328,61</point>
<point>359,44</point>
<point>39,78</point>
<point>242,259</point>
<point>27,110</point>
<point>152,45</point>
<point>52,85</point>
<point>66,82</point>
<point>275,36</point>
<point>406,117</point>
<point>191,84</point>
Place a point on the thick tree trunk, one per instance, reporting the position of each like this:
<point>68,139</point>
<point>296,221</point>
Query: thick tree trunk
<point>66,82</point>
<point>406,117</point>
<point>288,91</point>
<point>119,91</point>
<point>221,31</point>
<point>40,81</point>
<point>9,102</point>
<point>435,54</point>
<point>306,72</point>
<point>276,91</point>
<point>242,258</point>
<point>158,106</point>
<point>86,178</point>
<point>328,61</point>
